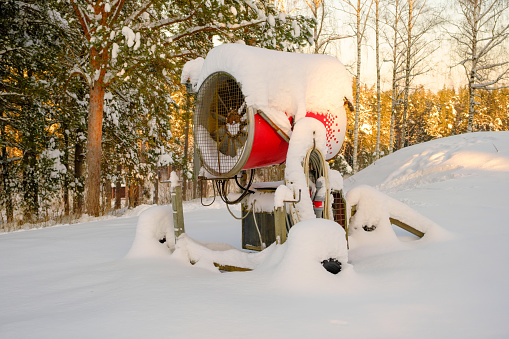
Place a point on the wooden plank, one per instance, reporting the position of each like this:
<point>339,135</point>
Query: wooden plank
<point>252,247</point>
<point>229,268</point>
<point>398,223</point>
<point>406,227</point>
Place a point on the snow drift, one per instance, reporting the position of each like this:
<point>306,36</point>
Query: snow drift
<point>155,235</point>
<point>72,281</point>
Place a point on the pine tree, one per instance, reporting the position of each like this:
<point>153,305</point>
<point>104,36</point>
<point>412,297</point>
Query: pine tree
<point>30,45</point>
<point>124,36</point>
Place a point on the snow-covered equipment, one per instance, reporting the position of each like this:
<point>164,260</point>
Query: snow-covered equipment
<point>256,108</point>
<point>249,98</point>
<point>248,105</point>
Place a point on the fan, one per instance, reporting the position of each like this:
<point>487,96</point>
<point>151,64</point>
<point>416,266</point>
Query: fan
<point>222,123</point>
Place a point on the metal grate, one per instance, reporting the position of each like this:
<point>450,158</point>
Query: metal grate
<point>339,208</point>
<point>221,124</point>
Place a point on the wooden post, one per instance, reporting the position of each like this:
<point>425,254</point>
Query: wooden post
<point>178,211</point>
<point>280,224</point>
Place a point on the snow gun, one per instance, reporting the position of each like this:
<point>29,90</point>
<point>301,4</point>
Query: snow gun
<point>258,108</point>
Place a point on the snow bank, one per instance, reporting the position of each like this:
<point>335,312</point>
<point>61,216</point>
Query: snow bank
<point>371,224</point>
<point>283,84</point>
<point>154,224</point>
<point>297,263</point>
<point>204,255</point>
<point>481,153</point>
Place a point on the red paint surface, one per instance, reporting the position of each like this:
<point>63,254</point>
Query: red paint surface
<point>268,147</point>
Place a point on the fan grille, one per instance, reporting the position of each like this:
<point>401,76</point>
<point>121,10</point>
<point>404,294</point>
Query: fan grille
<point>221,124</point>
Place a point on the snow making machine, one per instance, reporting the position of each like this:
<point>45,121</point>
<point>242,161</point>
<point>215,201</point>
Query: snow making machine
<point>257,108</point>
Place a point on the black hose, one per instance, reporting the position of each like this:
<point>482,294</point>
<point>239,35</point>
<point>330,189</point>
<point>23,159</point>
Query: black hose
<point>222,189</point>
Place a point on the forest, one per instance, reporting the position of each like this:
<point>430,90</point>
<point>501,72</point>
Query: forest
<point>94,115</point>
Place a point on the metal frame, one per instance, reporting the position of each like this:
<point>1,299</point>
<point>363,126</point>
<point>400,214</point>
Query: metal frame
<point>248,145</point>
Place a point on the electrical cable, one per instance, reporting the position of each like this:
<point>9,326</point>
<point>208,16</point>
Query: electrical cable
<point>234,216</point>
<point>262,245</point>
<point>222,189</point>
<point>201,194</point>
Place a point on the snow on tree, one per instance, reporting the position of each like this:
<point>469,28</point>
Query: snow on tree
<point>480,36</point>
<point>123,37</point>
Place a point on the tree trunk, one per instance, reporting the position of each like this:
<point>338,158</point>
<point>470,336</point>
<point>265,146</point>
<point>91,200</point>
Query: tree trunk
<point>395,63</point>
<point>186,146</point>
<point>94,150</point>
<point>134,194</point>
<point>78,174</point>
<point>30,186</point>
<point>357,89</point>
<point>65,185</point>
<point>472,73</point>
<point>378,87</point>
<point>118,188</point>
<point>407,72</point>
<point>155,200</point>
<point>9,207</point>
<point>108,193</point>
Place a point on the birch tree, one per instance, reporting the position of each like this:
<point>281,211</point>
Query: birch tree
<point>394,39</point>
<point>360,10</point>
<point>481,35</point>
<point>378,87</point>
<point>323,34</point>
<point>122,36</point>
<point>419,45</point>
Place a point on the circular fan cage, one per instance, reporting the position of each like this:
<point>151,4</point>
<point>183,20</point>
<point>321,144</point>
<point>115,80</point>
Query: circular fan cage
<point>223,125</point>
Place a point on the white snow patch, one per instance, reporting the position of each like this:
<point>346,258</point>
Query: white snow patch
<point>114,50</point>
<point>297,263</point>
<point>307,133</point>
<point>174,180</point>
<point>283,193</point>
<point>129,35</point>
<point>335,180</point>
<point>154,224</point>
<point>191,72</point>
<point>374,210</point>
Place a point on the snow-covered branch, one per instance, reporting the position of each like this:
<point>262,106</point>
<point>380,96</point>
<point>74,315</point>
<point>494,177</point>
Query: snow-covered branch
<point>82,18</point>
<point>117,6</point>
<point>9,49</point>
<point>143,8</point>
<point>164,22</point>
<point>215,27</point>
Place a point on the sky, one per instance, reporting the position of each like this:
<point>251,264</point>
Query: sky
<point>442,65</point>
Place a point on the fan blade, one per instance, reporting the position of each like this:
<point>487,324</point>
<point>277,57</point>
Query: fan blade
<point>232,152</point>
<point>239,144</point>
<point>242,136</point>
<point>219,134</point>
<point>222,102</point>
<point>223,145</point>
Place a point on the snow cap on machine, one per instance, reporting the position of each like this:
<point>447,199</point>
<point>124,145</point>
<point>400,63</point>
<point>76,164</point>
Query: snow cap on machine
<point>283,85</point>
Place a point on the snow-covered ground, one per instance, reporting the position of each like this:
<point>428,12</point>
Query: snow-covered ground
<point>74,281</point>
